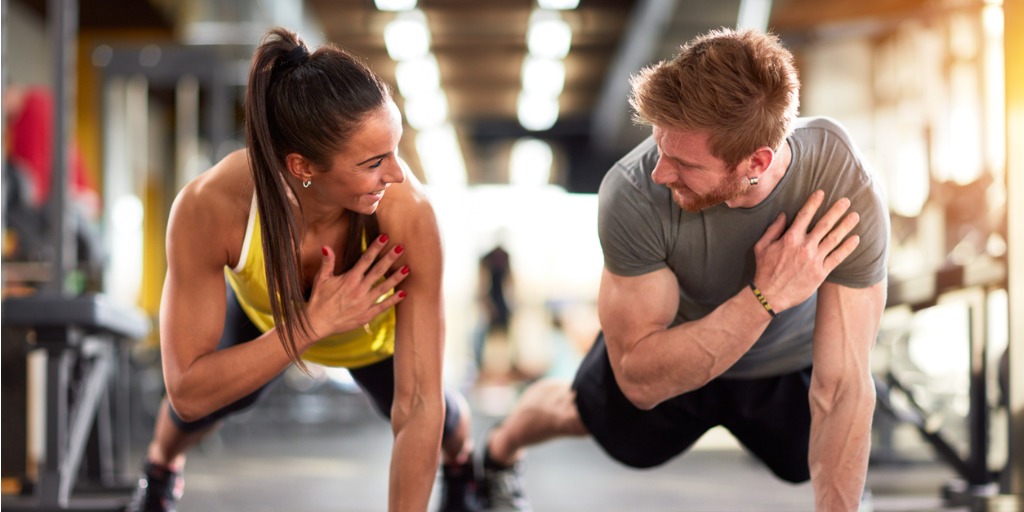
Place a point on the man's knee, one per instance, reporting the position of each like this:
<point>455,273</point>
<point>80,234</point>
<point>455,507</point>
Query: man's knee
<point>555,399</point>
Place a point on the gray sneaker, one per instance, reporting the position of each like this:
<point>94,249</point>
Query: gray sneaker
<point>502,489</point>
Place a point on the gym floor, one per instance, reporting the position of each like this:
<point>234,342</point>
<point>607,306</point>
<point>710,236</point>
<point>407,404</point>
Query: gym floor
<point>331,452</point>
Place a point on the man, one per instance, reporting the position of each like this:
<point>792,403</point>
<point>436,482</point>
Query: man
<point>743,247</point>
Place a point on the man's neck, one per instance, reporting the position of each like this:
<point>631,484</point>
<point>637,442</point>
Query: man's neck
<point>767,181</point>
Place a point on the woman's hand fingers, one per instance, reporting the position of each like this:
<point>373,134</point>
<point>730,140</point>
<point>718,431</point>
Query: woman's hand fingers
<point>349,300</point>
<point>369,255</point>
<point>387,303</point>
<point>326,265</point>
<point>383,264</point>
<point>391,282</point>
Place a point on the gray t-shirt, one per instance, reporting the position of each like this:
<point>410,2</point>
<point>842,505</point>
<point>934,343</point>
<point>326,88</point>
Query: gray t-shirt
<point>712,252</point>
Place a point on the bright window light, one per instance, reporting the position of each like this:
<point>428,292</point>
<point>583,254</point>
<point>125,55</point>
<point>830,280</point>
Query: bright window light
<point>418,77</point>
<point>530,162</point>
<point>395,5</point>
<point>427,111</point>
<point>754,14</point>
<point>407,37</point>
<point>537,112</point>
<point>441,157</point>
<point>548,35</point>
<point>560,5</point>
<point>543,76</point>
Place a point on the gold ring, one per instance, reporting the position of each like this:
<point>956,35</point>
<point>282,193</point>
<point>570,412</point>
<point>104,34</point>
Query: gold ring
<point>366,327</point>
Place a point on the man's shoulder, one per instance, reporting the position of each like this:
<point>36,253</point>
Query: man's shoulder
<point>819,128</point>
<point>634,168</point>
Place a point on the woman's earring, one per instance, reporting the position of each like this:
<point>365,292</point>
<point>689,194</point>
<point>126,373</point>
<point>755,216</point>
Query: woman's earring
<point>753,181</point>
<point>307,183</point>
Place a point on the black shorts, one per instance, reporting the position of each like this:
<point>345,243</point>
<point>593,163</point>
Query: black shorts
<point>769,416</point>
<point>377,380</point>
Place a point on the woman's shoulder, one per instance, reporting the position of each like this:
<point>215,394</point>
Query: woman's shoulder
<point>406,209</point>
<point>214,207</point>
<point>223,188</point>
<point>405,199</point>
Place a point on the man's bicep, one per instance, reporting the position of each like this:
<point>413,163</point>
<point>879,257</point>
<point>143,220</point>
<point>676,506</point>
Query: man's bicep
<point>631,308</point>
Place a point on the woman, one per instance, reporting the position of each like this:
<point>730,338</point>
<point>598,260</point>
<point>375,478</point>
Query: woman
<point>320,214</point>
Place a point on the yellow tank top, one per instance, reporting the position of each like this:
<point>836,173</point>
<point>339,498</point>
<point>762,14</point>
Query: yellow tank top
<point>351,349</point>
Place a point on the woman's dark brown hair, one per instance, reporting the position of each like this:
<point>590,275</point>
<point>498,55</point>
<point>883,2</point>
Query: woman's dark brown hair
<point>309,104</point>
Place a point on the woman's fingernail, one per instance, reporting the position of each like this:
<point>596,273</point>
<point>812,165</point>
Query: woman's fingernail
<point>404,269</point>
<point>382,238</point>
<point>398,249</point>
<point>324,250</point>
<point>401,294</point>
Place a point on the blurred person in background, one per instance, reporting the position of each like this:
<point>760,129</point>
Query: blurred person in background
<point>327,251</point>
<point>29,206</point>
<point>737,290</point>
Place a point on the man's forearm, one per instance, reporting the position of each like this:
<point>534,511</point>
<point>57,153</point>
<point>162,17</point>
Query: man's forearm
<point>840,446</point>
<point>670,362</point>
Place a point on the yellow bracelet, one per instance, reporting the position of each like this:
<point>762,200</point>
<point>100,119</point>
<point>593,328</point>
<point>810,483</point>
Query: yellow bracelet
<point>764,301</point>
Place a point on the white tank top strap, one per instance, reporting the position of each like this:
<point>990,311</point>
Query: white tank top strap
<point>243,256</point>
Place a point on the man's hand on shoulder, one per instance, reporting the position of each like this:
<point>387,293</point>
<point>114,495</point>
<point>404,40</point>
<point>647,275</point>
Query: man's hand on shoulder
<point>792,263</point>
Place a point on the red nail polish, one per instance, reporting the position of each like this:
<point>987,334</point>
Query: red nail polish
<point>382,238</point>
<point>405,269</point>
<point>398,249</point>
<point>324,250</point>
<point>401,294</point>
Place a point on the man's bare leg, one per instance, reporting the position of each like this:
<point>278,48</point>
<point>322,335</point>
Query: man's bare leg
<point>547,410</point>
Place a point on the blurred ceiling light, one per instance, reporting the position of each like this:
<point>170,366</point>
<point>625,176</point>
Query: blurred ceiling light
<point>222,33</point>
<point>543,76</point>
<point>395,5</point>
<point>441,157</point>
<point>548,35</point>
<point>407,37</point>
<point>536,112</point>
<point>530,162</point>
<point>426,111</point>
<point>418,76</point>
<point>558,4</point>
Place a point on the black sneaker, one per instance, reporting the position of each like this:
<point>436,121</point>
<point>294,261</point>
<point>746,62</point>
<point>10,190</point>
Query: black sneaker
<point>502,488</point>
<point>458,488</point>
<point>158,490</point>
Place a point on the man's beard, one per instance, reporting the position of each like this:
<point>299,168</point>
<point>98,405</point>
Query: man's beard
<point>731,187</point>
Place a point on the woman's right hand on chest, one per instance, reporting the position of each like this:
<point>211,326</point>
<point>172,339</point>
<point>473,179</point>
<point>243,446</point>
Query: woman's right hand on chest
<point>349,300</point>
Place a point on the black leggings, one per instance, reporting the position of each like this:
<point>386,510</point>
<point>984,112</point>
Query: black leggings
<point>377,379</point>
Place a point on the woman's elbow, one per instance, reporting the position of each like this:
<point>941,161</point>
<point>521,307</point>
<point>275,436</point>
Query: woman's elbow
<point>407,410</point>
<point>185,410</point>
<point>185,407</point>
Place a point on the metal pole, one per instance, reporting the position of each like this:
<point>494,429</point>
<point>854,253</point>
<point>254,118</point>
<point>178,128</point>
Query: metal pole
<point>64,27</point>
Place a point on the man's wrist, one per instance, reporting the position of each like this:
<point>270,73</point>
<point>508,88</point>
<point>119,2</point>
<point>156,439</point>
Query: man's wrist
<point>762,299</point>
